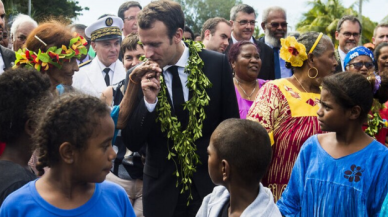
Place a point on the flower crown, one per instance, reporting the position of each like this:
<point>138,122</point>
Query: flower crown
<point>292,51</point>
<point>43,61</point>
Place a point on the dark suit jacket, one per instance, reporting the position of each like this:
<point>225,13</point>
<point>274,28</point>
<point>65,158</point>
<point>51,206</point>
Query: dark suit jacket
<point>267,71</point>
<point>8,57</point>
<point>339,66</point>
<point>160,195</point>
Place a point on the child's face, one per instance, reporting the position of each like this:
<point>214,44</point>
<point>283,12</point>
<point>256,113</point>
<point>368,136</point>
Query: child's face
<point>214,164</point>
<point>331,116</point>
<point>95,161</point>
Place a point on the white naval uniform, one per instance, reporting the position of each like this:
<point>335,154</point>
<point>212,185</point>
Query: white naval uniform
<point>90,79</point>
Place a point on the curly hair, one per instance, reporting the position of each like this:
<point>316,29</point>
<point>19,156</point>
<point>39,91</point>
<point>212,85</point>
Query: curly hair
<point>235,50</point>
<point>22,91</point>
<point>245,145</point>
<point>351,89</point>
<point>71,118</point>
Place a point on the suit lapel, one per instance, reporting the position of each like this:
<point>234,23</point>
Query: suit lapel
<point>95,77</point>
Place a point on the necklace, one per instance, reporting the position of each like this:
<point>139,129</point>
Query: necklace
<point>249,96</point>
<point>299,83</point>
<point>183,150</point>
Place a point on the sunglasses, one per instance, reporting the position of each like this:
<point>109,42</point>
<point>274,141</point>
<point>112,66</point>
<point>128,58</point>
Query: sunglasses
<point>276,25</point>
<point>359,65</point>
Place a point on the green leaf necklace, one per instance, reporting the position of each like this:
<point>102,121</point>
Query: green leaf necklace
<point>183,151</point>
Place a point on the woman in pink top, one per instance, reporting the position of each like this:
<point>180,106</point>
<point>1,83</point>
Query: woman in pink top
<point>245,60</point>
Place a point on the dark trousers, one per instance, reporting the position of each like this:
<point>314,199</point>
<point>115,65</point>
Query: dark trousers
<point>182,210</point>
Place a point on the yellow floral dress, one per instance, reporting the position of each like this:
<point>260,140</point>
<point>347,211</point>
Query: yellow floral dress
<point>290,117</point>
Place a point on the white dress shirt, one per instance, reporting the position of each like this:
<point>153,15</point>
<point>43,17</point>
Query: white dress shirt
<point>111,67</point>
<point>182,63</point>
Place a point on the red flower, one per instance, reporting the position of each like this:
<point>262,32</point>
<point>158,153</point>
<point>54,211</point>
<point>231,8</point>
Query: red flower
<point>293,51</point>
<point>54,56</point>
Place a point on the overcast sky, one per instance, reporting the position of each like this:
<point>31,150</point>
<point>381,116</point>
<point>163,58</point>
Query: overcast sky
<point>376,10</point>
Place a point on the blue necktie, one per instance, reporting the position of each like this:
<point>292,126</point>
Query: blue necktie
<point>277,64</point>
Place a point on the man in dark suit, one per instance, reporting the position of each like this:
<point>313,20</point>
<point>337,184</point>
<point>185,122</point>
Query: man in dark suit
<point>7,56</point>
<point>274,24</point>
<point>243,20</point>
<point>161,25</point>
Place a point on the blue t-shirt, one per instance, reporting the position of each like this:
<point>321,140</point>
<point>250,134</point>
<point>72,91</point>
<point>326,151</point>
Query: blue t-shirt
<point>320,185</point>
<point>109,199</point>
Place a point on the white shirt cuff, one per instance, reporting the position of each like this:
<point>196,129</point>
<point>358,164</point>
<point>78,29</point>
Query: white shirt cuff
<point>150,107</point>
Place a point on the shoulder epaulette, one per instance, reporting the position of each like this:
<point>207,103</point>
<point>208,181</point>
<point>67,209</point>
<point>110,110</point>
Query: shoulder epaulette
<point>84,63</point>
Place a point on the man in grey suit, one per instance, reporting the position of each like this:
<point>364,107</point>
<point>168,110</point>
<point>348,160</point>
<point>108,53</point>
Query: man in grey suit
<point>7,56</point>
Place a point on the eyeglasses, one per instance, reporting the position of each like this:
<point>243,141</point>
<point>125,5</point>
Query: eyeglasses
<point>276,25</point>
<point>130,18</point>
<point>349,34</point>
<point>359,65</point>
<point>245,22</point>
<point>5,35</point>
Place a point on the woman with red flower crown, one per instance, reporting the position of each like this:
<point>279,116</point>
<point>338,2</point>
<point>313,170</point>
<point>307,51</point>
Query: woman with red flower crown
<point>288,107</point>
<point>52,49</point>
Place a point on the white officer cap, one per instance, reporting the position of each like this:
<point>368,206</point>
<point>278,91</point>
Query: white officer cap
<point>106,28</point>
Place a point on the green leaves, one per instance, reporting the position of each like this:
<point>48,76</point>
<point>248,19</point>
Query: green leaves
<point>184,149</point>
<point>375,122</point>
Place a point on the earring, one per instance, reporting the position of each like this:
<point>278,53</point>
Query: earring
<point>308,73</point>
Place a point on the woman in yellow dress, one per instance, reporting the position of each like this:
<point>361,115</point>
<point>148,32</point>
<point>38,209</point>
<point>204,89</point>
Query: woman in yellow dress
<point>288,107</point>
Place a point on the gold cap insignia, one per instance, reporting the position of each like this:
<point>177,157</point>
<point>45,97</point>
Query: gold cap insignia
<point>108,21</point>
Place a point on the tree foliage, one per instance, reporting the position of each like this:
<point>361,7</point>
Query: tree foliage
<point>44,9</point>
<point>324,17</point>
<point>198,11</point>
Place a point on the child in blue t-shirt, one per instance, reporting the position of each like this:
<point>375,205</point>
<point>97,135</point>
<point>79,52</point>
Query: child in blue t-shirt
<point>343,172</point>
<point>74,141</point>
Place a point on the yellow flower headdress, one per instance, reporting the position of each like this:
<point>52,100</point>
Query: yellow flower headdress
<point>43,61</point>
<point>292,51</point>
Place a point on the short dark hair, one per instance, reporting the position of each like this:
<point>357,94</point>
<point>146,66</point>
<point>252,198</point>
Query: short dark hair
<point>245,145</point>
<point>350,18</point>
<point>78,26</point>
<point>187,29</point>
<point>71,118</point>
<point>381,25</point>
<point>241,8</point>
<point>125,6</point>
<point>349,90</point>
<point>235,50</point>
<point>130,43</point>
<point>211,24</point>
<point>105,15</point>
<point>168,12</point>
<point>22,91</point>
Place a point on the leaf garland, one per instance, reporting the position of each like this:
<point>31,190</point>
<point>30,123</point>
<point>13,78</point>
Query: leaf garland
<point>53,57</point>
<point>183,151</point>
<point>375,122</point>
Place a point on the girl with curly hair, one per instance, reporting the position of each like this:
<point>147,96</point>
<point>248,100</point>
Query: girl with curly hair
<point>74,140</point>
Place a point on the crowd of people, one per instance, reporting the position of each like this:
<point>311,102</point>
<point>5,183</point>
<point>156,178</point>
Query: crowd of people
<point>136,115</point>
